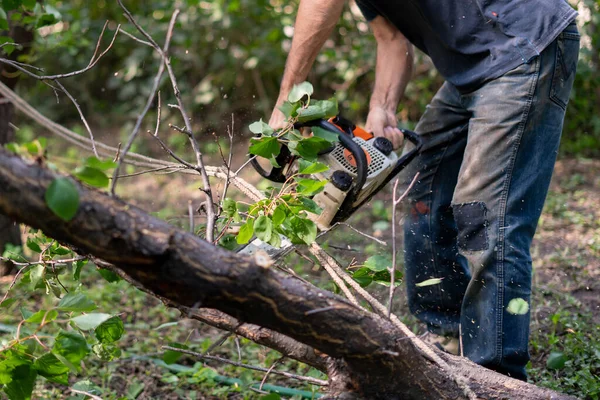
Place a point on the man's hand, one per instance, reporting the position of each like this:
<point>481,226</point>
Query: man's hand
<point>383,122</point>
<point>277,120</point>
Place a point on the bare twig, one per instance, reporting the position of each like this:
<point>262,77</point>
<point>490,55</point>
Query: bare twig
<point>218,343</point>
<point>158,109</point>
<point>381,242</point>
<point>308,379</point>
<point>264,379</point>
<point>395,201</point>
<point>85,123</point>
<point>322,257</point>
<point>191,215</point>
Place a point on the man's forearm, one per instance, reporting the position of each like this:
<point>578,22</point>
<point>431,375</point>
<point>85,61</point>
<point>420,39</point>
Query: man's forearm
<point>394,65</point>
<point>314,23</point>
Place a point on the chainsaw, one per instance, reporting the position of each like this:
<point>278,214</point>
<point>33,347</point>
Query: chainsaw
<point>360,165</point>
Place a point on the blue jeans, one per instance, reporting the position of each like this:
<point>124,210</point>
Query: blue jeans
<point>484,175</point>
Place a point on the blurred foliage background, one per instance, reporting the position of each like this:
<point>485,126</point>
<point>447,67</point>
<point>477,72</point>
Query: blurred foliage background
<point>229,56</point>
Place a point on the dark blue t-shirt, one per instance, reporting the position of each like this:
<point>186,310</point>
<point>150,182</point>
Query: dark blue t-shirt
<point>473,41</point>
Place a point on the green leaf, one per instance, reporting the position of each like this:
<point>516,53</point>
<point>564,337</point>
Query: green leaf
<point>304,229</point>
<point>106,351</point>
<point>246,232</point>
<point>134,389</point>
<point>38,317</point>
<point>299,91</point>
<point>556,360</point>
<point>306,167</point>
<point>52,369</point>
<point>429,282</point>
<point>363,276</point>
<point>76,302</point>
<point>7,303</point>
<point>102,165</point>
<point>263,228</point>
<point>92,176</point>
<point>170,356</point>
<point>90,321</point>
<point>309,148</point>
<point>109,276</point>
<point>325,134</point>
<point>72,347</point>
<point>45,20</point>
<point>33,246</point>
<point>518,306</point>
<point>29,4</point>
<point>261,128</point>
<point>309,187</point>
<point>267,147</point>
<point>110,330</point>
<point>275,240</point>
<point>378,263</point>
<point>62,198</point>
<point>230,209</point>
<point>279,215</point>
<point>323,109</point>
<point>9,5</point>
<point>309,205</point>
<point>289,109</point>
<point>22,383</point>
<point>77,266</point>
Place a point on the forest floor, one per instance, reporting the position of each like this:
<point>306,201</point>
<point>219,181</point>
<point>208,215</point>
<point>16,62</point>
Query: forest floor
<point>565,306</point>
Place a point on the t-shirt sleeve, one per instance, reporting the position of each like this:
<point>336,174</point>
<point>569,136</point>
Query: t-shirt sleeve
<point>367,9</point>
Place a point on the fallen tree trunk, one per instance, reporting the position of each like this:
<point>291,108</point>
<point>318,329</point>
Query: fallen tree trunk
<point>369,357</point>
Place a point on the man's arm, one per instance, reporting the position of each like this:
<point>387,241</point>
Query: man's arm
<point>314,23</point>
<point>392,73</point>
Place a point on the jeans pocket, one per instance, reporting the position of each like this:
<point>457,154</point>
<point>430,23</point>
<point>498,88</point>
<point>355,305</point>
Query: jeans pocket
<point>567,54</point>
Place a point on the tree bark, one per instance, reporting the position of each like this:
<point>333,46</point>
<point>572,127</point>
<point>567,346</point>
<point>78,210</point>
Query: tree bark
<point>9,230</point>
<point>370,358</point>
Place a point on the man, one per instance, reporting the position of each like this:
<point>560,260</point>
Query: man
<point>491,132</point>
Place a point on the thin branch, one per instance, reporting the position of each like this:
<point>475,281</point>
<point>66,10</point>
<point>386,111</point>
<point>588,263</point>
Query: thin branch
<point>129,35</point>
<point>94,60</point>
<point>85,123</point>
<point>191,215</point>
<point>264,379</point>
<point>395,202</point>
<point>308,379</point>
<point>381,242</point>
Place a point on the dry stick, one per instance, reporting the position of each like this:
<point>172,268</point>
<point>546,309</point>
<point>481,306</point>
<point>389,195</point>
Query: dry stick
<point>191,215</point>
<point>308,379</point>
<point>323,258</point>
<point>395,202</point>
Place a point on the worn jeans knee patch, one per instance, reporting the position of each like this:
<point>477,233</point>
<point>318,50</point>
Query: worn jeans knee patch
<point>471,221</point>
